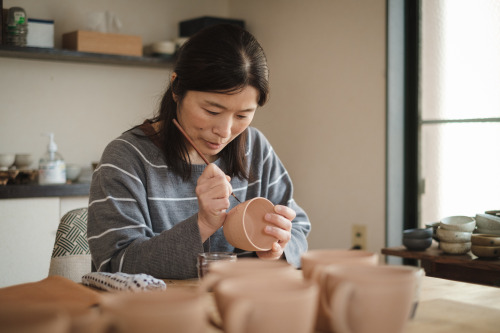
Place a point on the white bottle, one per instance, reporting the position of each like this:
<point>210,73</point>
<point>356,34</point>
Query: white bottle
<point>52,169</point>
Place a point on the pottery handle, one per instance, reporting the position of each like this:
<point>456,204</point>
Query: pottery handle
<point>238,316</point>
<point>339,307</point>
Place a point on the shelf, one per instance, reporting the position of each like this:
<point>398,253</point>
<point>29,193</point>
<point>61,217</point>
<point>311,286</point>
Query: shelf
<point>43,191</point>
<point>40,53</point>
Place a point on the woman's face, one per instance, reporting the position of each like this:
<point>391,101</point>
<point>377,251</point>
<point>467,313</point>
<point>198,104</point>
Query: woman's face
<point>212,120</point>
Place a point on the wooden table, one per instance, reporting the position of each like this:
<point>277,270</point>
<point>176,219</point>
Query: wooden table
<point>444,305</point>
<point>465,267</point>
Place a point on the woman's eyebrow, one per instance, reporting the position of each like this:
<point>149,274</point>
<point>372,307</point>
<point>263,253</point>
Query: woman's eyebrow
<point>217,105</point>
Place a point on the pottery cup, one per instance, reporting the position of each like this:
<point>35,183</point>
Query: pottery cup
<point>245,224</point>
<point>366,299</point>
<point>172,310</point>
<point>260,304</point>
<point>314,260</point>
<point>247,267</point>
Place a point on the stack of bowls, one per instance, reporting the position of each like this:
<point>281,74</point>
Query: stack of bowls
<point>417,239</point>
<point>454,233</point>
<point>485,246</point>
<point>488,224</point>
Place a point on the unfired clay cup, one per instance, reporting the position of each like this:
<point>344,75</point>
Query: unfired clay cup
<point>172,310</point>
<point>366,299</point>
<point>262,304</point>
<point>314,261</point>
<point>245,224</point>
<point>248,267</point>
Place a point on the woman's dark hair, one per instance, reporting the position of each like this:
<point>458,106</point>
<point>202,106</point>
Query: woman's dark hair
<point>221,58</point>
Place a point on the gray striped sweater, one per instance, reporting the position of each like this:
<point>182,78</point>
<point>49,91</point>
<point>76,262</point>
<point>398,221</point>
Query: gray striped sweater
<point>143,218</point>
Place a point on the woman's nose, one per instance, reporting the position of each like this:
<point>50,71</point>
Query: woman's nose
<point>223,128</point>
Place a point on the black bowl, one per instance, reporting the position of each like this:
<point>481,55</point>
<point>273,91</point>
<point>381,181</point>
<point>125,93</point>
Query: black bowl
<point>417,244</point>
<point>417,233</point>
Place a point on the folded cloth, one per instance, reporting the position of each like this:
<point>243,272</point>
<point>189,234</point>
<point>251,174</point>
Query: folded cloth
<point>123,282</point>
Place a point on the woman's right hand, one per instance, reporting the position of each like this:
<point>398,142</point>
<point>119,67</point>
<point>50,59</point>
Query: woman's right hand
<point>213,190</point>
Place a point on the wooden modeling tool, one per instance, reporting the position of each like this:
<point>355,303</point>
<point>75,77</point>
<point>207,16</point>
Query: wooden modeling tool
<point>195,148</point>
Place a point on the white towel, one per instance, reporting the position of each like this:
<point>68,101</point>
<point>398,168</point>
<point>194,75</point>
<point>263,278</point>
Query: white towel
<point>123,282</point>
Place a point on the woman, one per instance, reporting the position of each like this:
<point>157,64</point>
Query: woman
<point>154,204</point>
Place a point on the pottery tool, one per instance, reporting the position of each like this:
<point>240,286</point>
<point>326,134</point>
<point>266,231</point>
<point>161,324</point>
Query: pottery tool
<point>195,148</point>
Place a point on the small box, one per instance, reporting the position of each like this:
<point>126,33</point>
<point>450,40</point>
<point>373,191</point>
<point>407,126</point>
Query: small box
<point>190,27</point>
<point>40,33</point>
<point>98,42</point>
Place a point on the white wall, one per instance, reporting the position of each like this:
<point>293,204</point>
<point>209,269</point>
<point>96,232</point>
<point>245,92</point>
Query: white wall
<point>87,105</point>
<point>325,118</point>
<point>326,115</point>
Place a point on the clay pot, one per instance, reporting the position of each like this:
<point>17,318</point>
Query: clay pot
<point>315,259</point>
<point>221,270</point>
<point>172,310</point>
<point>263,304</point>
<point>366,299</point>
<point>245,224</point>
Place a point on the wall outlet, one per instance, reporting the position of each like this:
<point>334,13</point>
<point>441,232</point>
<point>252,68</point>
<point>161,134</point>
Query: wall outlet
<point>358,237</point>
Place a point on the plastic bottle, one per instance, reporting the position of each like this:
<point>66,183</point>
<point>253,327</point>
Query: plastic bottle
<point>16,27</point>
<point>52,169</point>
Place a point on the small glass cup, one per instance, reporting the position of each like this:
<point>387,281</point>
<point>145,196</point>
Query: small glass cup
<point>205,258</point>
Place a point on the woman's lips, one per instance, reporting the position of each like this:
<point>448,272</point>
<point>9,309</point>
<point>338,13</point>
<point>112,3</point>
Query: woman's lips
<point>214,146</point>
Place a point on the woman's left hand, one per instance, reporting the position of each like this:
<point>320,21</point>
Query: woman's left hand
<point>281,230</point>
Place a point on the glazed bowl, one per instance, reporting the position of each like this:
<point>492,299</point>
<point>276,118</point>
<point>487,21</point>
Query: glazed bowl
<point>417,233</point>
<point>485,251</point>
<point>23,161</point>
<point>6,160</point>
<point>458,223</point>
<point>73,172</point>
<point>417,244</point>
<point>495,232</point>
<point>488,221</point>
<point>455,248</point>
<point>452,236</point>
<point>485,240</point>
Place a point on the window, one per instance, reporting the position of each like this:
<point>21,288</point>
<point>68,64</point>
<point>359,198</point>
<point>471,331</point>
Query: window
<point>459,108</point>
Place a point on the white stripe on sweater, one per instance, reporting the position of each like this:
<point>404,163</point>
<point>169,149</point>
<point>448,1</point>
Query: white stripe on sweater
<point>172,199</point>
<point>116,229</point>
<point>268,155</point>
<point>277,180</point>
<point>103,263</point>
<point>143,157</point>
<point>111,198</point>
<point>114,166</point>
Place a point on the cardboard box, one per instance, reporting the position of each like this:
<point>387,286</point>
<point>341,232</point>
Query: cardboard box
<point>98,42</point>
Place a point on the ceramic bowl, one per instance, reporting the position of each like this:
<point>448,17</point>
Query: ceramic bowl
<point>23,161</point>
<point>488,221</point>
<point>488,231</point>
<point>417,244</point>
<point>485,240</point>
<point>455,248</point>
<point>485,251</point>
<point>73,171</point>
<point>452,236</point>
<point>417,233</point>
<point>434,227</point>
<point>6,160</point>
<point>458,223</point>
<point>493,212</point>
